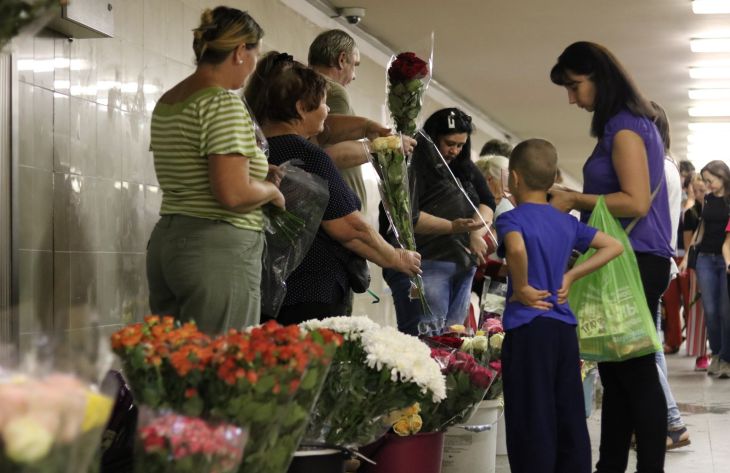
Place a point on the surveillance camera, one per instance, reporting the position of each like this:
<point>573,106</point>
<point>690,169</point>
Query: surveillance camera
<point>353,15</point>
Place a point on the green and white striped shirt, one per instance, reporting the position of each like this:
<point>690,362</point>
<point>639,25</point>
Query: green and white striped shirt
<point>184,134</point>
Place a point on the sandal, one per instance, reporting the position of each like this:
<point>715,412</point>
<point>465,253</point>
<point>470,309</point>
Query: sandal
<point>677,438</point>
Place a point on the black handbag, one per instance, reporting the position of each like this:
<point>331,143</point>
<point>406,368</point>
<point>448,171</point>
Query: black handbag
<point>358,273</point>
<point>692,257</point>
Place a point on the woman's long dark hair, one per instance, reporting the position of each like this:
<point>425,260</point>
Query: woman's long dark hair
<point>448,121</point>
<point>615,90</point>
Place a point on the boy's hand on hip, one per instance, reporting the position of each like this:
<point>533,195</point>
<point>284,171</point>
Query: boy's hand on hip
<point>564,289</point>
<point>531,297</point>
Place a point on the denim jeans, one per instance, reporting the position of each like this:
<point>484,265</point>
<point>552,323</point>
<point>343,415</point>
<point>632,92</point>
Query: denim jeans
<point>712,282</point>
<point>448,288</point>
<point>674,418</point>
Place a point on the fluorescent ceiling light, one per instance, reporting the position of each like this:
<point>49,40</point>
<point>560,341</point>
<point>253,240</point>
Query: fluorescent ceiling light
<point>710,45</point>
<point>709,94</point>
<point>708,7</point>
<point>720,109</point>
<point>710,72</point>
<point>703,127</point>
<point>711,138</point>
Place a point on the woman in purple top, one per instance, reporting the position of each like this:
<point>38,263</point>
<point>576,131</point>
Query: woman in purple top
<point>627,167</point>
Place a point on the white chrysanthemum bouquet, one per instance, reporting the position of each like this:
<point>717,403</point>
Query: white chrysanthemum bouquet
<point>377,370</point>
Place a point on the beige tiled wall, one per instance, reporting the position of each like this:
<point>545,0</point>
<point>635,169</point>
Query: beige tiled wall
<point>88,195</point>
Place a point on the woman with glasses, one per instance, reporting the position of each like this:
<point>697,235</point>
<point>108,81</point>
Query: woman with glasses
<point>290,102</point>
<point>451,246</point>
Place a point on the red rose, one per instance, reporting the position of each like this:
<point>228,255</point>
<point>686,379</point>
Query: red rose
<point>496,365</point>
<point>453,342</point>
<point>481,377</point>
<point>407,66</point>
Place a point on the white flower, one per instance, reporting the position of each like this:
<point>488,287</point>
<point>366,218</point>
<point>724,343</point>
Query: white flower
<point>26,440</point>
<point>387,142</point>
<point>406,358</point>
<point>478,343</point>
<point>495,341</point>
<point>349,327</point>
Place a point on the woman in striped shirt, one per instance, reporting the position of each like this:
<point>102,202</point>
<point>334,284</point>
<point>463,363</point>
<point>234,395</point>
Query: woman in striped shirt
<point>204,255</point>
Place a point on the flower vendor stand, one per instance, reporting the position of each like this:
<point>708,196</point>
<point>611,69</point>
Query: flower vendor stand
<point>466,451</point>
<point>421,452</point>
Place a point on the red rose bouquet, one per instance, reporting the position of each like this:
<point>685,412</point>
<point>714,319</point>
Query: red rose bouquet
<point>168,442</point>
<point>467,381</point>
<point>492,327</point>
<point>408,77</point>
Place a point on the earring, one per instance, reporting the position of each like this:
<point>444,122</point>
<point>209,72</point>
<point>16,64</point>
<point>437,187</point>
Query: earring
<point>240,61</point>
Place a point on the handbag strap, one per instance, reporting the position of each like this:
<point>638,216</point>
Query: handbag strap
<point>633,223</point>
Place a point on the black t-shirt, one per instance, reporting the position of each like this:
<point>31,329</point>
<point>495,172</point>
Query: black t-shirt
<point>434,191</point>
<point>321,276</point>
<point>715,213</point>
<point>691,219</point>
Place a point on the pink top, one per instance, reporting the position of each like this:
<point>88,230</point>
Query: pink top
<point>727,229</point>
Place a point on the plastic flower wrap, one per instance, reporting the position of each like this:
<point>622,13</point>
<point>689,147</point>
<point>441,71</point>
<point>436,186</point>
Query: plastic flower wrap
<point>250,379</point>
<point>290,232</point>
<point>51,424</point>
<point>408,78</point>
<point>376,371</point>
<point>406,421</point>
<point>168,442</point>
<point>492,328</point>
<point>467,381</point>
<point>390,164</point>
<point>165,362</point>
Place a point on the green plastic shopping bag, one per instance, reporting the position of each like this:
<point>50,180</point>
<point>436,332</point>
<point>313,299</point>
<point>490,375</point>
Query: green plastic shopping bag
<point>614,323</point>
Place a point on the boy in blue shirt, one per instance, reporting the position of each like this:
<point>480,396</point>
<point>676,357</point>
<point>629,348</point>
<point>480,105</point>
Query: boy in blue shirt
<point>543,392</point>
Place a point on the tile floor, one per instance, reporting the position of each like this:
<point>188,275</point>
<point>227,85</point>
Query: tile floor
<point>705,406</point>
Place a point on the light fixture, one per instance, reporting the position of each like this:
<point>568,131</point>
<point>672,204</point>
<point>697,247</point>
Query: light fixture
<point>709,109</point>
<point>709,127</point>
<point>709,7</point>
<point>709,45</point>
<point>710,72</point>
<point>709,94</point>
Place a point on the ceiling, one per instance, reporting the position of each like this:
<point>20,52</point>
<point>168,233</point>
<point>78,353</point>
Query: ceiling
<point>497,55</point>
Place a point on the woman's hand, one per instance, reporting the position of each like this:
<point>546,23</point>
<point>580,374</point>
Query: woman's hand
<point>561,199</point>
<point>531,297</point>
<point>408,144</point>
<point>374,130</point>
<point>682,267</point>
<point>278,199</point>
<point>478,247</point>
<point>464,225</point>
<point>408,262</point>
<point>275,175</point>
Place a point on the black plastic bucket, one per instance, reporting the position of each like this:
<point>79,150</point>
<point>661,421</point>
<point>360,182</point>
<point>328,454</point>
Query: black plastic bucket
<point>320,460</point>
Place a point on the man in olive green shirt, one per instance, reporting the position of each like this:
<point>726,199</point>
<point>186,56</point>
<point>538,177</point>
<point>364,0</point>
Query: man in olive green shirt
<point>335,55</point>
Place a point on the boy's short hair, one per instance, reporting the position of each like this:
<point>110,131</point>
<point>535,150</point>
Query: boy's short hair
<point>537,162</point>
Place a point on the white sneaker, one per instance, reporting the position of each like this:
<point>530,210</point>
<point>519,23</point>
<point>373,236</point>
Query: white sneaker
<point>714,365</point>
<point>723,371</point>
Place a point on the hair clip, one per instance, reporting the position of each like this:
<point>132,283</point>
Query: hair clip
<point>206,28</point>
<point>451,122</point>
<point>284,57</point>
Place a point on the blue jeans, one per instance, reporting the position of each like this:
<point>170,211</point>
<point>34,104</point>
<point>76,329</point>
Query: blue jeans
<point>674,418</point>
<point>712,282</point>
<point>447,287</point>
